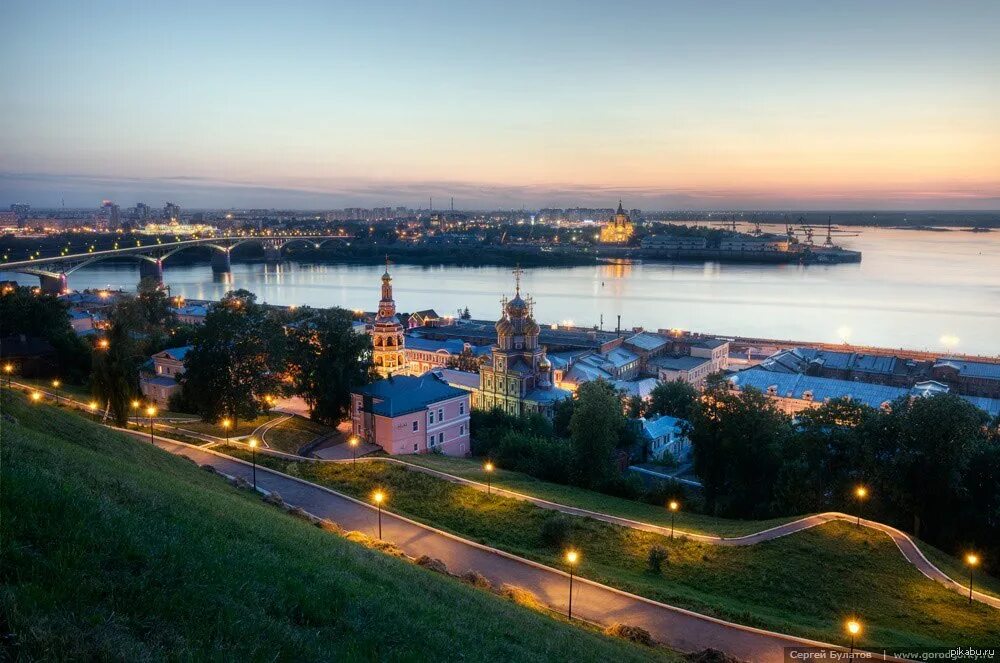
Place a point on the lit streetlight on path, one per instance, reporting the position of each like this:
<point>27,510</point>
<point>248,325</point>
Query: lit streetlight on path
<point>572,557</point>
<point>488,468</point>
<point>853,628</point>
<point>353,442</point>
<point>378,497</point>
<point>252,442</point>
<point>861,494</point>
<point>226,423</point>
<point>151,412</point>
<point>972,559</point>
<point>674,507</point>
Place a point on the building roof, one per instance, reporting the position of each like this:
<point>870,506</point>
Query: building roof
<point>457,378</point>
<point>642,388</point>
<point>175,353</point>
<point>548,396</point>
<point>195,310</point>
<point>795,385</point>
<point>989,405</point>
<point>161,381</point>
<point>426,314</point>
<point>452,345</point>
<point>710,343</point>
<point>662,425</point>
<point>679,363</point>
<point>971,369</point>
<point>402,394</point>
<point>647,341</point>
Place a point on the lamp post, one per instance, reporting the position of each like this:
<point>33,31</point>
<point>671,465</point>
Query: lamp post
<point>135,406</point>
<point>253,455</point>
<point>56,383</point>
<point>853,628</point>
<point>379,497</point>
<point>8,369</point>
<point>103,344</point>
<point>226,423</point>
<point>93,408</point>
<point>972,559</point>
<point>151,412</point>
<point>36,396</point>
<point>572,557</point>
<point>861,493</point>
<point>674,506</point>
<point>353,442</point>
<point>488,468</point>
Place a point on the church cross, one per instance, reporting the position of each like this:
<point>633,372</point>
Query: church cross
<point>517,277</point>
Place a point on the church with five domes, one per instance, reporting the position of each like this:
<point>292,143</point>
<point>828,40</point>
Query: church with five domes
<point>619,229</point>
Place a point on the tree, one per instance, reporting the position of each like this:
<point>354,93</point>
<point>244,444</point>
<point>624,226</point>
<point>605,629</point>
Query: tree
<point>235,359</point>
<point>736,440</point>
<point>597,427</point>
<point>22,311</point>
<point>465,361</point>
<point>115,379</point>
<point>674,399</point>
<point>635,406</point>
<point>935,440</point>
<point>329,360</point>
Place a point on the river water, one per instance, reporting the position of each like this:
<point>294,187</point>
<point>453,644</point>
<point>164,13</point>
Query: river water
<point>924,290</point>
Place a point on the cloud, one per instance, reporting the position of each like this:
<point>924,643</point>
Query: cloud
<point>78,190</point>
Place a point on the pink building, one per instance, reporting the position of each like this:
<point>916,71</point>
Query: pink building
<point>409,415</point>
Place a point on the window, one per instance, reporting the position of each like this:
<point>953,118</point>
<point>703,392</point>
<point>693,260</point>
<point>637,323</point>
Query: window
<point>440,438</point>
<point>461,429</point>
<point>431,414</point>
<point>440,414</point>
<point>414,446</point>
<point>430,440</point>
<point>461,408</point>
<point>415,426</point>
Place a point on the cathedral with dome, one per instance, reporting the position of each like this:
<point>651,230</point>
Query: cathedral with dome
<point>387,332</point>
<point>619,229</point>
<point>518,377</point>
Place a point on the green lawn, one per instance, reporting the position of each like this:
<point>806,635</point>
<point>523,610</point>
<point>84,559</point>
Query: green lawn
<point>114,550</point>
<point>986,584</point>
<point>216,429</point>
<point>290,435</point>
<point>591,500</point>
<point>806,584</point>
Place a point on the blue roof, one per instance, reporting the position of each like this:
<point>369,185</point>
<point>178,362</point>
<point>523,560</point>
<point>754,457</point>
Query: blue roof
<point>178,353</point>
<point>990,406</point>
<point>679,363</point>
<point>402,394</point>
<point>662,425</point>
<point>795,385</point>
<point>972,369</point>
<point>453,345</point>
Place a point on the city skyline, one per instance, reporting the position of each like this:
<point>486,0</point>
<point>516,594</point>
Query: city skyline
<point>668,105</point>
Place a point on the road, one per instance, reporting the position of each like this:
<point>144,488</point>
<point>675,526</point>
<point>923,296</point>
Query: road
<point>674,627</point>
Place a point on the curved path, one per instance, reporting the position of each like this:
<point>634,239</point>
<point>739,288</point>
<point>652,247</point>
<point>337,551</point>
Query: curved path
<point>674,627</point>
<point>907,546</point>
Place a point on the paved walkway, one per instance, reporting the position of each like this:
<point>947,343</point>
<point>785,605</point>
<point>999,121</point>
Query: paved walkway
<point>676,628</point>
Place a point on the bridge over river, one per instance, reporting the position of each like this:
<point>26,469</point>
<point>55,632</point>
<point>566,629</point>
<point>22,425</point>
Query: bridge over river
<point>53,272</point>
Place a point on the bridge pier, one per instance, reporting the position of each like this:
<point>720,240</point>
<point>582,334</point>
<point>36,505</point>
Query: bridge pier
<point>151,270</point>
<point>53,284</point>
<point>220,262</point>
<point>272,252</point>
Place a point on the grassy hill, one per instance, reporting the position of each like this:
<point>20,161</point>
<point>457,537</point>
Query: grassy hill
<point>805,584</point>
<point>114,550</point>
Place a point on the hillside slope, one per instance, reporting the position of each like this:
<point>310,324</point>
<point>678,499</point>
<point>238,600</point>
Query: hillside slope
<point>115,550</point>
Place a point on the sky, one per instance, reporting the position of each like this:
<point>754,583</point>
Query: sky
<point>793,104</point>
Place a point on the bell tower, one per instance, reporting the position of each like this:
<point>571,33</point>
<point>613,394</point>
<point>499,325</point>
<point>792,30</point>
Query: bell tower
<point>387,334</point>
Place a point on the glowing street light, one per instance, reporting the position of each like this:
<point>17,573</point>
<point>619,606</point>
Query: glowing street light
<point>674,507</point>
<point>226,423</point>
<point>135,406</point>
<point>972,559</point>
<point>253,455</point>
<point>488,468</point>
<point>103,344</point>
<point>353,442</point>
<point>378,497</point>
<point>151,412</point>
<point>56,383</point>
<point>861,494</point>
<point>572,557</point>
<point>36,396</point>
<point>854,629</point>
<point>8,370</point>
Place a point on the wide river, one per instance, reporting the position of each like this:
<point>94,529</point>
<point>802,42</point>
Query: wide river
<point>925,290</point>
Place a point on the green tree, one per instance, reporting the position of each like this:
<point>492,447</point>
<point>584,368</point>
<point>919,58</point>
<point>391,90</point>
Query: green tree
<point>236,359</point>
<point>23,311</point>
<point>465,361</point>
<point>329,360</point>
<point>115,379</point>
<point>635,406</point>
<point>935,441</point>
<point>597,427</point>
<point>675,399</point>
<point>736,441</point>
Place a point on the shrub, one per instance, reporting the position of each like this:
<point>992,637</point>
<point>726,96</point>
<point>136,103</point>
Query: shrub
<point>556,530</point>
<point>477,579</point>
<point>657,556</point>
<point>632,633</point>
<point>521,596</point>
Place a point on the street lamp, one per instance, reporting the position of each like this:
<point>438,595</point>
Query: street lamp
<point>151,412</point>
<point>135,406</point>
<point>36,396</point>
<point>8,369</point>
<point>93,408</point>
<point>379,497</point>
<point>253,454</point>
<point>56,383</point>
<point>226,423</point>
<point>488,468</point>
<point>853,628</point>
<point>861,493</point>
<point>972,559</point>
<point>674,506</point>
<point>572,557</point>
<point>103,344</point>
<point>353,442</point>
